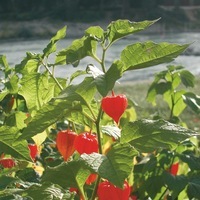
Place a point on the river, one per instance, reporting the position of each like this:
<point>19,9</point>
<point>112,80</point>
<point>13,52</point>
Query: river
<point>15,51</point>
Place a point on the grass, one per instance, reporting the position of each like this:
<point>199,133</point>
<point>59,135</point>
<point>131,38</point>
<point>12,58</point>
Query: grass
<point>137,92</point>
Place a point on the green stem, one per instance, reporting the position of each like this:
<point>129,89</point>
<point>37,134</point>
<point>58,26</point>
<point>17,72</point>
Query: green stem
<point>95,188</point>
<point>103,60</point>
<point>100,151</point>
<point>51,74</point>
<point>98,131</point>
<point>172,109</point>
<point>162,195</point>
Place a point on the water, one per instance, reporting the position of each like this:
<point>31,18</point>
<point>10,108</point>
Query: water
<point>15,51</point>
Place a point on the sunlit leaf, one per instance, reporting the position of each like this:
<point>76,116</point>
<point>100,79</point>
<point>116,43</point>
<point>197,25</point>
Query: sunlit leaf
<point>187,78</point>
<point>96,32</point>
<point>106,82</point>
<point>71,174</point>
<point>29,64</point>
<point>121,28</point>
<point>149,135</point>
<point>147,54</point>
<point>51,47</point>
<point>9,145</point>
<point>193,101</point>
<point>78,50</point>
<point>44,191</point>
<point>115,166</point>
<point>112,131</point>
<point>44,118</point>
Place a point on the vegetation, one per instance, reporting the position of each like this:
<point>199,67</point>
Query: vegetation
<point>60,140</point>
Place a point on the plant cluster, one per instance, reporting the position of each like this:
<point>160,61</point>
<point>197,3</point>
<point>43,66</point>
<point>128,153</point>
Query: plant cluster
<point>60,140</point>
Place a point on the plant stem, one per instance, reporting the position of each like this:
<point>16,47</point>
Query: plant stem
<point>51,74</point>
<point>162,195</point>
<point>95,188</point>
<point>100,151</point>
<point>98,131</point>
<point>103,60</point>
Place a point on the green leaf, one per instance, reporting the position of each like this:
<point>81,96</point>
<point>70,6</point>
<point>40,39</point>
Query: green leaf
<point>142,55</point>
<point>35,90</point>
<point>112,131</point>
<point>45,117</point>
<point>152,185</point>
<point>16,119</point>
<point>76,74</point>
<point>149,135</point>
<point>5,181</point>
<point>192,161</point>
<point>51,47</point>
<point>78,92</point>
<point>193,189</point>
<point>175,101</point>
<point>71,174</point>
<point>156,89</point>
<point>81,115</point>
<point>96,32</point>
<point>175,183</point>
<point>115,166</point>
<point>193,101</point>
<point>106,82</point>
<point>78,50</point>
<point>3,61</point>
<point>121,28</point>
<point>12,84</point>
<point>29,64</point>
<point>187,78</point>
<point>44,191</point>
<point>10,145</point>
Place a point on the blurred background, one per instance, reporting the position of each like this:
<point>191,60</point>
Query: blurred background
<point>21,18</point>
<point>22,21</point>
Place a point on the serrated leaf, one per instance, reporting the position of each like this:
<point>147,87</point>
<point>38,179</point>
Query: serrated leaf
<point>193,101</point>
<point>51,47</point>
<point>9,145</point>
<point>149,135</point>
<point>78,50</point>
<point>121,28</point>
<point>115,166</point>
<point>147,54</point>
<point>71,174</point>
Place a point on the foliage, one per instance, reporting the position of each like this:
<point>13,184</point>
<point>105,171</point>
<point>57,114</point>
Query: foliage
<point>36,105</point>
